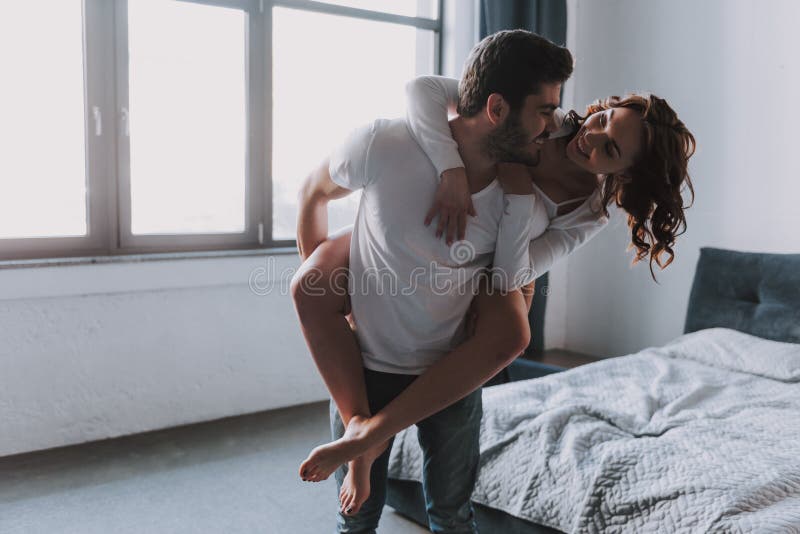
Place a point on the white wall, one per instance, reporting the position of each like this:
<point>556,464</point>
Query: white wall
<point>730,70</point>
<point>90,352</point>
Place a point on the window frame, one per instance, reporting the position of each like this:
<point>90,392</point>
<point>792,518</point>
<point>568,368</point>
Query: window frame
<point>96,240</point>
<point>106,88</point>
<point>254,164</point>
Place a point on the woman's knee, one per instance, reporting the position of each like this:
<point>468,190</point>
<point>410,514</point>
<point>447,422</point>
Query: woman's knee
<point>320,285</point>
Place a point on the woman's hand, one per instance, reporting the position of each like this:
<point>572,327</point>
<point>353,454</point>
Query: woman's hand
<point>515,178</point>
<point>452,204</point>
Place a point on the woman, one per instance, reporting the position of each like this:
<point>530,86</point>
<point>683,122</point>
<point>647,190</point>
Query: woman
<point>631,151</point>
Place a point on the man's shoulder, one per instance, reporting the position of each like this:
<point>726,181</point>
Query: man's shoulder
<point>384,148</point>
<point>363,139</point>
<point>393,136</point>
<point>396,129</point>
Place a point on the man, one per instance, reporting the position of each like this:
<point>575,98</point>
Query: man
<point>407,321</point>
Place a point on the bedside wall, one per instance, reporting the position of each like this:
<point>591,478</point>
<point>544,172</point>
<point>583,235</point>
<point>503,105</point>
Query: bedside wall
<point>729,68</point>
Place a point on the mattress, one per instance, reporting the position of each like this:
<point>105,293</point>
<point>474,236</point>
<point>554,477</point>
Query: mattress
<point>699,435</point>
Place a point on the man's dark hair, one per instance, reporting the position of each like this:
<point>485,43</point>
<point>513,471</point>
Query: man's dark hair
<point>512,63</point>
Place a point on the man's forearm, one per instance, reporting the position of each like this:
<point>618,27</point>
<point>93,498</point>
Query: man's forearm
<point>312,217</point>
<point>312,222</point>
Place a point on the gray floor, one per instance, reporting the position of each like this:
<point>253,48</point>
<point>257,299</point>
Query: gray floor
<point>236,475</point>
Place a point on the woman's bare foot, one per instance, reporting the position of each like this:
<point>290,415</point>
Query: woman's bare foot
<point>355,487</point>
<point>325,459</point>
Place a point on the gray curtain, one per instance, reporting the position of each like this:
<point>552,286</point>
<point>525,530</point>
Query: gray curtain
<point>548,18</point>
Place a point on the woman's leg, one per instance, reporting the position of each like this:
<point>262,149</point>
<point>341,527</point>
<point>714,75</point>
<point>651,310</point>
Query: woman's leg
<point>319,290</point>
<point>501,334</point>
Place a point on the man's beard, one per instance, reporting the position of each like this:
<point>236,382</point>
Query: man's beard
<point>510,143</point>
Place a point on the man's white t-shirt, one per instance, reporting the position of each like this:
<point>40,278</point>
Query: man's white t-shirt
<point>409,290</point>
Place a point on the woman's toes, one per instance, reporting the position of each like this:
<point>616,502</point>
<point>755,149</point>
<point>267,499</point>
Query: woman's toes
<point>305,470</point>
<point>354,507</point>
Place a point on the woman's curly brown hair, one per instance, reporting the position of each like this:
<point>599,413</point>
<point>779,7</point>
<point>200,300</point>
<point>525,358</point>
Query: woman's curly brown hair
<point>650,190</point>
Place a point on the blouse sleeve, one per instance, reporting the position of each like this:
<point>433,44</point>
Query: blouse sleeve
<point>428,99</point>
<point>555,244</point>
<point>514,267</point>
<point>523,218</point>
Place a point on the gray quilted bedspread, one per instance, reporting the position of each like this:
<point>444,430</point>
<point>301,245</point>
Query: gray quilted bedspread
<point>700,435</point>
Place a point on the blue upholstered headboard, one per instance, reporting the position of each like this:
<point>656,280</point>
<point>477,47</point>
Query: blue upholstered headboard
<point>752,292</point>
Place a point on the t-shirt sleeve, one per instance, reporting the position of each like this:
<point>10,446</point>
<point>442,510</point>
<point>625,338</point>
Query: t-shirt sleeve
<point>349,161</point>
<point>427,101</point>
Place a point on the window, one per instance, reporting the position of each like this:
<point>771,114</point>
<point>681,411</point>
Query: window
<point>332,73</point>
<point>43,110</point>
<point>177,125</point>
<point>188,118</point>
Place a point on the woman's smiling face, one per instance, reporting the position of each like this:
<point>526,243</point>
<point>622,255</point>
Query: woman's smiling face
<point>608,142</point>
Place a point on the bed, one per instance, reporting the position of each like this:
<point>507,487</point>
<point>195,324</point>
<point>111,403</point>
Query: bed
<point>699,435</point>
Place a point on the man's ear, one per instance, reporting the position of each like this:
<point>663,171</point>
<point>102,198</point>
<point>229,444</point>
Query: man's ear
<point>497,108</point>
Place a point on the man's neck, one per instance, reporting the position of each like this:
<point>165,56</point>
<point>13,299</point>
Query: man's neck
<point>470,137</point>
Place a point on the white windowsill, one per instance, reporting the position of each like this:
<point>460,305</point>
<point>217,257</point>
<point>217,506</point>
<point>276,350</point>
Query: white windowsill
<point>137,258</point>
<point>270,268</point>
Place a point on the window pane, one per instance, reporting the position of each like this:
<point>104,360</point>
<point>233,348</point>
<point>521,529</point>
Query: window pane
<point>325,88</point>
<point>187,117</point>
<point>42,132</point>
<point>409,8</point>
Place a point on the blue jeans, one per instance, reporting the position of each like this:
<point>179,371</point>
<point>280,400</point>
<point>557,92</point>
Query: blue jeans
<point>449,442</point>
